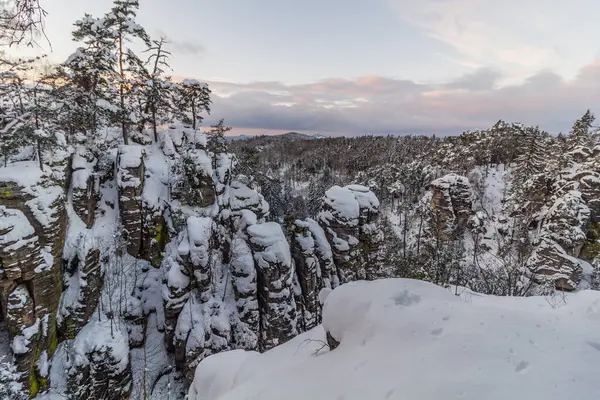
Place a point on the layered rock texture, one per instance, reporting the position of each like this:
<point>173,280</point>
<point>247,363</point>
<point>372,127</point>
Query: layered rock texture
<point>137,253</point>
<point>451,205</point>
<point>32,231</point>
<point>568,234</point>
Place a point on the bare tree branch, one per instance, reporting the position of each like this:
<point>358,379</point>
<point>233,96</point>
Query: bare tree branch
<point>22,22</point>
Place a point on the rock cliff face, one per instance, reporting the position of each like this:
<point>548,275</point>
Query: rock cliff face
<point>568,236</point>
<point>167,233</point>
<point>32,229</point>
<point>451,205</point>
<point>347,217</point>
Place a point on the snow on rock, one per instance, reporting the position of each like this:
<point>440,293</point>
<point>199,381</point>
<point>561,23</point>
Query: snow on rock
<point>20,253</point>
<point>243,279</point>
<point>275,271</point>
<point>406,339</point>
<point>33,204</point>
<point>451,204</point>
<point>101,361</point>
<point>243,198</point>
<point>130,175</point>
<point>348,217</point>
<point>22,173</point>
<point>214,377</point>
<point>84,184</point>
<point>275,248</point>
<point>308,271</point>
<point>567,222</point>
<point>340,204</point>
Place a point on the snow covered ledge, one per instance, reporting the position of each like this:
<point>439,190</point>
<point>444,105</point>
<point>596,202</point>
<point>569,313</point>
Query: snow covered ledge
<point>406,339</point>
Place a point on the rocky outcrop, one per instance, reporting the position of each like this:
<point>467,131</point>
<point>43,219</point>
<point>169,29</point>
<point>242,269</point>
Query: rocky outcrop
<point>567,222</point>
<point>130,180</point>
<point>32,231</point>
<point>84,184</point>
<point>229,279</point>
<point>101,368</point>
<point>554,267</point>
<point>347,216</point>
<point>451,205</point>
<point>244,283</point>
<point>275,284</point>
<point>23,326</point>
<point>308,271</point>
<point>83,284</point>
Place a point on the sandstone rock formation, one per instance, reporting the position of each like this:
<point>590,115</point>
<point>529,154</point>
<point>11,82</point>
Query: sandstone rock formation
<point>451,204</point>
<point>32,231</point>
<point>170,221</point>
<point>346,217</point>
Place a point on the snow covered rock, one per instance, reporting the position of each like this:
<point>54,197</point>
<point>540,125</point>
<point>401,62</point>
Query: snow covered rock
<point>32,232</point>
<point>83,284</point>
<point>84,184</point>
<point>244,283</point>
<point>130,179</point>
<point>23,326</point>
<point>308,270</point>
<point>101,368</point>
<point>347,215</point>
<point>407,339</point>
<point>552,265</point>
<point>451,203</point>
<point>194,184</point>
<point>20,252</point>
<point>567,222</point>
<point>275,271</point>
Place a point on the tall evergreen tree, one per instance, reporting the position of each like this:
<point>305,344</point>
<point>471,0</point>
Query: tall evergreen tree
<point>216,137</point>
<point>120,22</point>
<point>581,133</point>
<point>529,179</point>
<point>192,99</point>
<point>154,88</point>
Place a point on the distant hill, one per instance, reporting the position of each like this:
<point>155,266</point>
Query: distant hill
<point>288,135</point>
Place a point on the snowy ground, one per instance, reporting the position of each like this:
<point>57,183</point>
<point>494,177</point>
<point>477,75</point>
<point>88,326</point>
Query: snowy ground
<point>406,339</point>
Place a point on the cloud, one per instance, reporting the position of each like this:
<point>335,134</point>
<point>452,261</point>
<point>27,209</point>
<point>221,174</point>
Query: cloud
<point>187,47</point>
<point>382,105</point>
<point>182,46</point>
<point>520,37</point>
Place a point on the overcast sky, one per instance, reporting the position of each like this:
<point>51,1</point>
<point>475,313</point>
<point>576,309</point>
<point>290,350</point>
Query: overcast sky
<point>375,66</point>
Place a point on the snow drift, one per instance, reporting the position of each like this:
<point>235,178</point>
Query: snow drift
<point>406,339</point>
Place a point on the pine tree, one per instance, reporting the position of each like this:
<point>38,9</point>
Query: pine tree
<point>216,137</point>
<point>581,133</point>
<point>192,99</point>
<point>91,70</point>
<point>153,89</point>
<point>316,191</point>
<point>529,181</point>
<point>120,22</point>
<point>272,191</point>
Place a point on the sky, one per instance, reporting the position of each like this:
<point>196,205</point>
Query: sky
<point>347,67</point>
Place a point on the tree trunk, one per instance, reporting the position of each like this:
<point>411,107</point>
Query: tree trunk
<point>193,115</point>
<point>154,124</point>
<point>39,151</point>
<point>122,90</point>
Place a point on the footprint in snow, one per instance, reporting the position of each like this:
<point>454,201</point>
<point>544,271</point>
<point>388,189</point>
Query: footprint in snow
<point>436,332</point>
<point>595,345</point>
<point>389,394</point>
<point>446,318</point>
<point>406,298</point>
<point>522,366</point>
